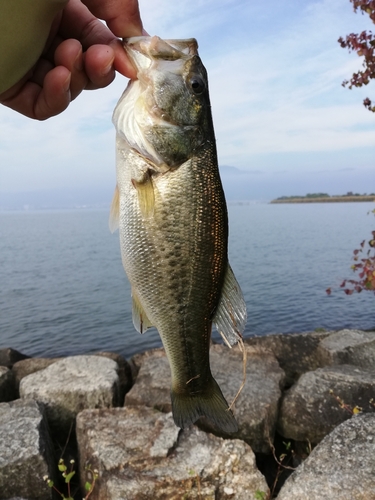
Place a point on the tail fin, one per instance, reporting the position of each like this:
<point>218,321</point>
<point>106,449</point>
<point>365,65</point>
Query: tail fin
<point>210,404</point>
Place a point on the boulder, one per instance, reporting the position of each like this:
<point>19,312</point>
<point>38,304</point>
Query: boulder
<point>9,356</point>
<point>7,385</point>
<point>296,353</point>
<point>153,383</point>
<point>256,408</point>
<point>353,347</point>
<point>30,365</point>
<point>138,359</point>
<point>70,385</point>
<point>124,373</point>
<point>341,467</point>
<point>323,399</point>
<point>25,451</point>
<point>139,453</point>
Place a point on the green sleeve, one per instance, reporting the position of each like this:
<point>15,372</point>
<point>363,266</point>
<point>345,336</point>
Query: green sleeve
<point>24,29</point>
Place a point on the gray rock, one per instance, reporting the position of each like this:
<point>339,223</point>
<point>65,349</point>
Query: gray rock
<point>124,373</point>
<point>7,385</point>
<point>9,356</point>
<point>25,451</point>
<point>71,385</point>
<point>138,359</point>
<point>153,382</point>
<point>140,454</point>
<point>353,347</point>
<point>256,408</point>
<point>296,353</point>
<point>309,411</point>
<point>341,467</point>
<point>30,365</point>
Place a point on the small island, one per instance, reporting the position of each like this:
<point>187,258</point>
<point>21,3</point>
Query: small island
<point>325,198</point>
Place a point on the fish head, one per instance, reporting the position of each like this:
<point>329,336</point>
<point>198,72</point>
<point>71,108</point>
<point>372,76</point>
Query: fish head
<point>165,114</point>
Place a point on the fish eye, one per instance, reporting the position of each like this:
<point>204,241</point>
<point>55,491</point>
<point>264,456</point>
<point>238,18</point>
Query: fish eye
<point>197,84</point>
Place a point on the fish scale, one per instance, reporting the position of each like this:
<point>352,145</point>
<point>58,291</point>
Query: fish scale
<point>173,225</point>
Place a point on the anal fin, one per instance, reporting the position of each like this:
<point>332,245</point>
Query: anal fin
<point>140,320</point>
<point>230,317</point>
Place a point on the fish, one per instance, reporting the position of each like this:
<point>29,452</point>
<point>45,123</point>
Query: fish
<point>170,209</point>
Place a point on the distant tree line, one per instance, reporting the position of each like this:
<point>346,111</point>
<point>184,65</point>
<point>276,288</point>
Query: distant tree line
<point>323,195</point>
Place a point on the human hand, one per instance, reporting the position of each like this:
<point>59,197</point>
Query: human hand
<point>80,53</point>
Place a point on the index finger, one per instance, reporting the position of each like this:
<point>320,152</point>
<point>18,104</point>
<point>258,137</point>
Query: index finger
<point>79,23</point>
<point>122,16</point>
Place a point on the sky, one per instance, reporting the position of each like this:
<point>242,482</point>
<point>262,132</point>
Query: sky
<point>283,122</point>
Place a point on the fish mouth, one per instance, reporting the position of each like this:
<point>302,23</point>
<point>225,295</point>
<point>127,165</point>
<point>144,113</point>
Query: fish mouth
<point>143,49</point>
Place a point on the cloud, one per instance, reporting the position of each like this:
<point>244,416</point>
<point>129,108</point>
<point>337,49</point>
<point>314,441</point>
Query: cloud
<point>284,93</point>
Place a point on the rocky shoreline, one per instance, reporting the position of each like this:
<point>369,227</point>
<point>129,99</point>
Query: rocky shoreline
<point>306,424</point>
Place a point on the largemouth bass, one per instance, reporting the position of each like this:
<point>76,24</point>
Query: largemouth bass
<point>170,208</point>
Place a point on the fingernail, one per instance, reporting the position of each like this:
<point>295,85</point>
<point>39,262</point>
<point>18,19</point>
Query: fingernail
<point>107,69</point>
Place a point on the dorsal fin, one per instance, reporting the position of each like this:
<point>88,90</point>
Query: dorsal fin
<point>114,214</point>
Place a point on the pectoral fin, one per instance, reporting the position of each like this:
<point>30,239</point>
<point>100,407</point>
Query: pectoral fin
<point>230,317</point>
<point>114,214</point>
<point>146,195</point>
<point>140,319</point>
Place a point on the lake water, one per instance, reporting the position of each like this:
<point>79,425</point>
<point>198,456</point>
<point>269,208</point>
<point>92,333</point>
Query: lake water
<point>63,290</point>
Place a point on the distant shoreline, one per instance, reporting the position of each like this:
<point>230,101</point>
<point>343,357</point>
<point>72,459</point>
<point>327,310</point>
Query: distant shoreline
<point>330,199</point>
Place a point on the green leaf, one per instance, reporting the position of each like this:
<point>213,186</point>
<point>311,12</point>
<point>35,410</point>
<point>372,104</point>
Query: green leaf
<point>87,486</point>
<point>69,476</point>
<point>50,483</point>
<point>260,495</point>
<point>288,444</point>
